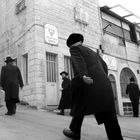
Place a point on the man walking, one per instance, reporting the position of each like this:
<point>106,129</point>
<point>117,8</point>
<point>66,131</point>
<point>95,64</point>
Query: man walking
<point>134,95</point>
<point>91,90</point>
<point>11,79</point>
<point>65,101</point>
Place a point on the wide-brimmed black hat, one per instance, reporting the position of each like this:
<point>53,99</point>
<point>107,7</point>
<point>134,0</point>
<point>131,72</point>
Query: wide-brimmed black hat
<point>64,73</point>
<point>9,59</point>
<point>73,38</point>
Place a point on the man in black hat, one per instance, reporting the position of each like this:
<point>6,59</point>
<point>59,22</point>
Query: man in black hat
<point>65,101</point>
<point>134,95</point>
<point>11,79</point>
<point>91,90</point>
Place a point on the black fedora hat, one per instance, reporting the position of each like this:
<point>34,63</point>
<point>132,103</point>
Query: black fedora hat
<point>132,79</point>
<point>8,59</point>
<point>73,38</point>
<point>64,73</point>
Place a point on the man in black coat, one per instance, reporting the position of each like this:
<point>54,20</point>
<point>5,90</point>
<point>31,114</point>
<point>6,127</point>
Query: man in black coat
<point>91,90</point>
<point>65,101</point>
<point>11,79</point>
<point>134,95</point>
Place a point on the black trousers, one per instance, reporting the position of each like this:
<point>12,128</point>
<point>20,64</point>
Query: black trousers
<point>61,104</point>
<point>11,107</point>
<point>112,127</point>
<point>135,106</point>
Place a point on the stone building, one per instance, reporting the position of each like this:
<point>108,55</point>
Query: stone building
<point>34,33</point>
<point>121,51</point>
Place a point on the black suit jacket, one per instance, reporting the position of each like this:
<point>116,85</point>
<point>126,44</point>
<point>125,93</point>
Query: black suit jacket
<point>133,91</point>
<point>94,98</point>
<point>11,79</point>
<point>65,101</point>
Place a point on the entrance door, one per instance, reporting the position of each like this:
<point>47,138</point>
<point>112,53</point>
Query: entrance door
<point>125,76</point>
<point>113,83</point>
<point>51,76</point>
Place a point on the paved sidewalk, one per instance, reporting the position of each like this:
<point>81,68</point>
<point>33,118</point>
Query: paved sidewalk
<point>32,124</point>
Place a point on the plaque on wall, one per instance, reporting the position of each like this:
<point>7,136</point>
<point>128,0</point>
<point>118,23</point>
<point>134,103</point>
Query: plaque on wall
<point>51,34</point>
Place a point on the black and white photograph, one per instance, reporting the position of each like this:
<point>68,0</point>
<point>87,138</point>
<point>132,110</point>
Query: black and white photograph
<point>69,70</point>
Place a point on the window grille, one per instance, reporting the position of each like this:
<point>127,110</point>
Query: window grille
<point>68,66</point>
<point>51,67</point>
<point>127,108</point>
<point>25,68</point>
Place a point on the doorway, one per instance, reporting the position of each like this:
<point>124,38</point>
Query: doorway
<point>113,83</point>
<point>51,82</point>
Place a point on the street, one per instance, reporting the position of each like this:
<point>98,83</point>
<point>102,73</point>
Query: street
<point>32,124</point>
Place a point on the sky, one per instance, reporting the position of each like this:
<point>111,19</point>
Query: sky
<point>131,5</point>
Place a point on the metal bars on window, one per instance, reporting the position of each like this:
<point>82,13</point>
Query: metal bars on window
<point>51,67</point>
<point>68,66</point>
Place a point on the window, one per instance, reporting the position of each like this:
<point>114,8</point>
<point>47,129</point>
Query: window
<point>127,109</point>
<point>121,41</point>
<point>113,29</point>
<point>127,34</point>
<point>138,36</point>
<point>20,6</point>
<point>25,68</point>
<point>133,33</point>
<point>123,34</point>
<point>68,66</point>
<point>51,67</point>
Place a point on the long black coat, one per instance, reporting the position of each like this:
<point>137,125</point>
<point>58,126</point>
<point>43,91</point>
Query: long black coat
<point>133,91</point>
<point>11,79</point>
<point>97,97</point>
<point>65,101</point>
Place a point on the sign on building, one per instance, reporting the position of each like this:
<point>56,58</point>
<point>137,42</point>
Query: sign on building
<point>81,15</point>
<point>51,34</point>
<point>111,62</point>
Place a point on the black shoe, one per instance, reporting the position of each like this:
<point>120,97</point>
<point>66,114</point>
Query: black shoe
<point>135,116</point>
<point>60,113</point>
<point>10,114</point>
<point>69,133</point>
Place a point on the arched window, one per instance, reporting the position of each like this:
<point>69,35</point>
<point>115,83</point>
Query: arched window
<point>125,75</point>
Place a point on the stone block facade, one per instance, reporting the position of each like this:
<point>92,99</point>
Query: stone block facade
<point>24,33</point>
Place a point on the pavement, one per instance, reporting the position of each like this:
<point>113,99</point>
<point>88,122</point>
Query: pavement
<point>42,124</point>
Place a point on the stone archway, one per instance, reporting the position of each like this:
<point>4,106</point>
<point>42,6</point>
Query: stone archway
<point>125,75</point>
<point>113,83</point>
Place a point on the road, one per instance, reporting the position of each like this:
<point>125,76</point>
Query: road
<point>31,124</point>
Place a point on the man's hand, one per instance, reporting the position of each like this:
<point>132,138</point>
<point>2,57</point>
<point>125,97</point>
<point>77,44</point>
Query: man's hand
<point>87,80</point>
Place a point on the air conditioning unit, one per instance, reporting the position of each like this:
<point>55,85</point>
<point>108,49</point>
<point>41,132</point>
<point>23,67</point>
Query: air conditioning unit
<point>81,16</point>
